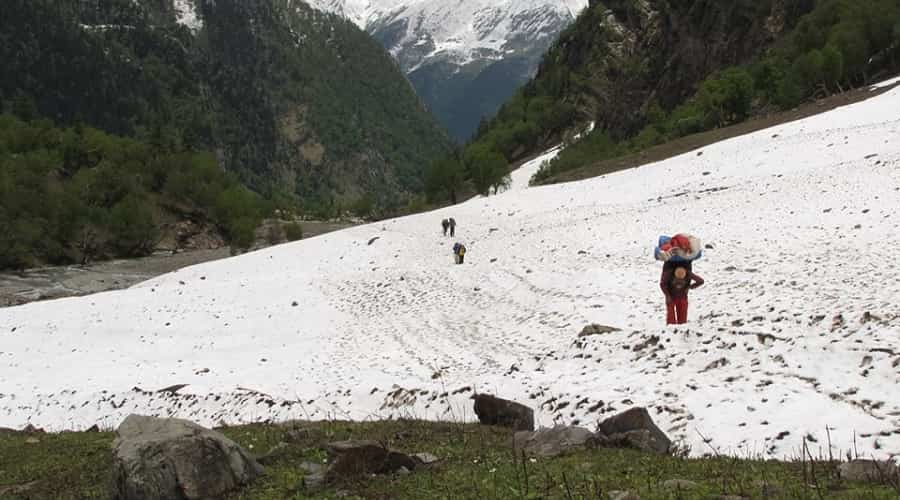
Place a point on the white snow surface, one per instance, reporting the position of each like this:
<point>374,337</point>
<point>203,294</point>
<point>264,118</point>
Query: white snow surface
<point>887,83</point>
<point>796,330</point>
<point>520,177</point>
<point>461,30</point>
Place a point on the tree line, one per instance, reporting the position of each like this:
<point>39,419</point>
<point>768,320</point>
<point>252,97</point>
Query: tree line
<point>72,195</point>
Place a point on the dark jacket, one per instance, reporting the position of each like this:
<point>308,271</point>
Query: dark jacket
<point>674,288</point>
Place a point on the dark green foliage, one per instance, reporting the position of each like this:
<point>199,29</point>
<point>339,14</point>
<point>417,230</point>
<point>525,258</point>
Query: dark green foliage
<point>132,226</point>
<point>486,169</point>
<point>363,206</point>
<point>444,180</point>
<point>726,97</point>
<point>293,231</point>
<point>292,100</point>
<point>72,195</point>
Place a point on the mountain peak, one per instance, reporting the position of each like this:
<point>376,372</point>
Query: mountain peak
<point>446,45</point>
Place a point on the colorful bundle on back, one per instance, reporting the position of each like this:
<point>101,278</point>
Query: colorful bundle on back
<point>678,248</point>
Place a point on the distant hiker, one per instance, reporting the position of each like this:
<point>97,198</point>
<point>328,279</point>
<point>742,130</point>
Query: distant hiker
<point>459,252</point>
<point>677,279</point>
<point>446,225</point>
<point>452,222</point>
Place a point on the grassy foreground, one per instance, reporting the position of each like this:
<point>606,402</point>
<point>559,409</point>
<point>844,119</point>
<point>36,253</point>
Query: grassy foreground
<point>476,462</point>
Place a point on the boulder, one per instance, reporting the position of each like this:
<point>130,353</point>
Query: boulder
<point>492,410</point>
<point>356,458</point>
<point>870,471</point>
<point>595,329</point>
<point>554,441</point>
<point>168,458</point>
<point>313,477</point>
<point>634,429</point>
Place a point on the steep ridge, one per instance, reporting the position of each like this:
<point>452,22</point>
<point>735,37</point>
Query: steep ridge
<point>623,60</point>
<point>273,87</point>
<point>651,71</point>
<point>795,332</point>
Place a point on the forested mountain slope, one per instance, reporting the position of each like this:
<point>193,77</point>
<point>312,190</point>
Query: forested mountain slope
<point>646,71</point>
<point>296,102</point>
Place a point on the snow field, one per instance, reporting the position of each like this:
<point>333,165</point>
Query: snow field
<point>796,331</point>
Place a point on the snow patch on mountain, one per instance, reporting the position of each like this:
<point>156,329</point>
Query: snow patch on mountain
<point>186,14</point>
<point>794,338</point>
<point>521,177</point>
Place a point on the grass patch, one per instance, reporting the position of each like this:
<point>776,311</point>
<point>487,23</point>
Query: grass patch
<point>476,462</point>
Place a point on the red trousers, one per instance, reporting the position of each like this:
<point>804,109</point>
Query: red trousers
<point>677,310</point>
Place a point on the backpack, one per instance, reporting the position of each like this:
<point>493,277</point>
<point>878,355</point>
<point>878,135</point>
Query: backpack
<point>462,250</point>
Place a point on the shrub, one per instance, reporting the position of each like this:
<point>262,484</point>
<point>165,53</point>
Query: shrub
<point>293,231</point>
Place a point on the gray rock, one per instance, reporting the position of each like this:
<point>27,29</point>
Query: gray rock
<point>554,441</point>
<point>492,410</point>
<point>870,471</point>
<point>355,458</point>
<point>623,495</point>
<point>426,458</point>
<point>679,484</point>
<point>596,329</point>
<point>167,458</point>
<point>642,440</point>
<point>634,428</point>
<point>313,477</point>
<point>312,468</point>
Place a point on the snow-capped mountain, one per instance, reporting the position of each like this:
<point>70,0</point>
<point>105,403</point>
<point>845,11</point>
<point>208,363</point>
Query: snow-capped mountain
<point>465,57</point>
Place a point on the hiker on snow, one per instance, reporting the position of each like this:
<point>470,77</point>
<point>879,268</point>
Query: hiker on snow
<point>677,277</point>
<point>446,225</point>
<point>452,222</point>
<point>459,253</point>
